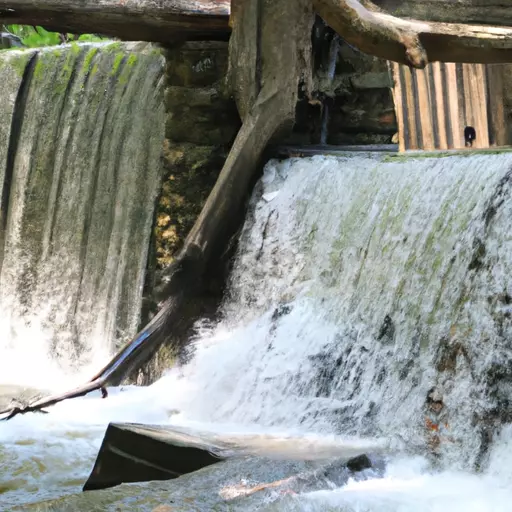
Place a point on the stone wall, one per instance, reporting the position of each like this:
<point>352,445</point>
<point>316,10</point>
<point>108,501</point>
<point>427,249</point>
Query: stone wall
<point>356,91</point>
<point>363,110</point>
<point>201,124</point>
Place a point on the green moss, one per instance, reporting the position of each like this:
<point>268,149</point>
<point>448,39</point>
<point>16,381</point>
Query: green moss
<point>155,51</point>
<point>132,60</point>
<point>39,68</point>
<point>19,66</point>
<point>117,63</point>
<point>19,63</point>
<point>75,48</point>
<point>183,194</point>
<point>113,48</point>
<point>61,65</point>
<point>94,69</point>
<point>127,70</point>
<point>88,60</point>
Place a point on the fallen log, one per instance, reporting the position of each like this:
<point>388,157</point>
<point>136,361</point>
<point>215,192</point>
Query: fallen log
<point>487,12</point>
<point>359,22</point>
<point>277,76</point>
<point>412,42</point>
<point>131,20</point>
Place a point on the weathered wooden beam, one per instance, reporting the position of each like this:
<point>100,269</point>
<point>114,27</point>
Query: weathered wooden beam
<point>163,21</point>
<point>487,12</point>
<point>413,42</point>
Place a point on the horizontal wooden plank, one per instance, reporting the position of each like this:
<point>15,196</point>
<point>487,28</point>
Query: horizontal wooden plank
<point>490,12</point>
<point>146,20</point>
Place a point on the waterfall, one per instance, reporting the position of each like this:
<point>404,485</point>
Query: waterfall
<point>366,290</point>
<point>362,283</point>
<point>80,145</point>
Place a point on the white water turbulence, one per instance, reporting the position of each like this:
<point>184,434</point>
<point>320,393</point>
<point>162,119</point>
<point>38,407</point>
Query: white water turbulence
<point>363,285</point>
<point>80,145</point>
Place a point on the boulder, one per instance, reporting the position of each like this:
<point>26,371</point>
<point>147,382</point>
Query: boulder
<point>133,452</point>
<point>140,453</point>
<point>359,463</point>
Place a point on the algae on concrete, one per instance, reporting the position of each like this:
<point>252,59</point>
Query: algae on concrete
<point>85,176</point>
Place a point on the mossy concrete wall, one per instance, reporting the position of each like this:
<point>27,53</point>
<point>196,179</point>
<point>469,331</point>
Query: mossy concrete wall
<point>80,169</point>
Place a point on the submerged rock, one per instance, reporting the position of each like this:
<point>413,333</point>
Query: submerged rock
<point>140,453</point>
<point>359,463</point>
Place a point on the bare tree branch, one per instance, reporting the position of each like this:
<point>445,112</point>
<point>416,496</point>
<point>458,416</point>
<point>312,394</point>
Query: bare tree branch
<point>411,42</point>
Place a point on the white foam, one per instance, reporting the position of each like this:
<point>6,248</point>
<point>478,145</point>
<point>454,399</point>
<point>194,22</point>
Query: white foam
<point>299,360</point>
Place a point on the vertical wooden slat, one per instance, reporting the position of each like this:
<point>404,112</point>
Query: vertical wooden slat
<point>468,118</point>
<point>411,108</point>
<point>446,105</point>
<point>438,100</point>
<point>431,86</point>
<point>407,123</point>
<point>415,97</point>
<point>490,130</point>
<point>454,111</point>
<point>478,90</point>
<point>476,103</point>
<point>425,110</point>
<point>496,113</point>
<point>398,97</point>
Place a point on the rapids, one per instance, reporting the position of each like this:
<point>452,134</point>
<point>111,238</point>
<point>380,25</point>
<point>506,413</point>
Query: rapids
<point>360,283</point>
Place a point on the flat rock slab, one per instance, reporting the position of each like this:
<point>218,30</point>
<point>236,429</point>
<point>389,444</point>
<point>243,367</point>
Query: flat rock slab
<point>133,452</point>
<point>140,453</point>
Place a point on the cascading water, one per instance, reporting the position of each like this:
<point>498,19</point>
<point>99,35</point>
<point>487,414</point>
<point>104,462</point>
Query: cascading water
<point>362,283</point>
<point>81,136</point>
